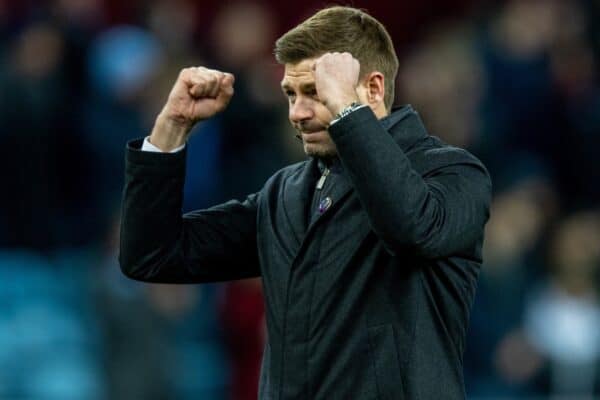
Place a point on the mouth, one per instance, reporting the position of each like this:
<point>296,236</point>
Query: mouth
<point>313,136</point>
<point>313,131</point>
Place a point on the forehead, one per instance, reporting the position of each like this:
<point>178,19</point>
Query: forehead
<point>299,72</point>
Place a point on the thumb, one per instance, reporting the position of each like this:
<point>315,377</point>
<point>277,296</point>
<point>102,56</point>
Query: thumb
<point>226,87</point>
<point>227,80</point>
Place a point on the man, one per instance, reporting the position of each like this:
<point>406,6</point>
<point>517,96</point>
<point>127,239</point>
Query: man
<point>368,251</point>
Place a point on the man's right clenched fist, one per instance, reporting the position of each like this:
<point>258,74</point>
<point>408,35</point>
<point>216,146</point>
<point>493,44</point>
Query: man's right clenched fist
<point>199,93</point>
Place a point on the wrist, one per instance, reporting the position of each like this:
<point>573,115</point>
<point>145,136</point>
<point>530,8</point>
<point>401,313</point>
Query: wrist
<point>346,111</point>
<point>336,107</point>
<point>168,134</point>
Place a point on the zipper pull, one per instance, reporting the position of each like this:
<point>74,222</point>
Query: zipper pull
<point>321,181</point>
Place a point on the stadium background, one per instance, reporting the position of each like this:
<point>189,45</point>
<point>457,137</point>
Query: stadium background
<point>516,82</point>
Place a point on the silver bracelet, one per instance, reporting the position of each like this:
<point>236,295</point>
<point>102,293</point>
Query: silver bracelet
<point>347,110</point>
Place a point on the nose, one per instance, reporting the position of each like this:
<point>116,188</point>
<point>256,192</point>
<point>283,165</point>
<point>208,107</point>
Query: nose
<point>301,110</point>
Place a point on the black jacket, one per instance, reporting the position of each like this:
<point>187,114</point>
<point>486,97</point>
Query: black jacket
<point>371,299</point>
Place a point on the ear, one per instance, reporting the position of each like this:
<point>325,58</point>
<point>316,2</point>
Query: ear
<point>374,83</point>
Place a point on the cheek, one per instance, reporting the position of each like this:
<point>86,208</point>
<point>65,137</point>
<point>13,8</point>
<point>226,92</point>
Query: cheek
<point>322,113</point>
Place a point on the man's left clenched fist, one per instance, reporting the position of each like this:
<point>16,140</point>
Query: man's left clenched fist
<point>336,79</point>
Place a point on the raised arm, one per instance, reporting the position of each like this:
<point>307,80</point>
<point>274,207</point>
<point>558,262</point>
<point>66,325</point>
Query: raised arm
<point>437,213</point>
<point>158,243</point>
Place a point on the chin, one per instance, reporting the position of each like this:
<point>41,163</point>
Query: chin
<point>319,150</point>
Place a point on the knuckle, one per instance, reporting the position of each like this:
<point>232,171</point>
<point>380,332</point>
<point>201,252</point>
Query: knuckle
<point>213,72</point>
<point>201,72</point>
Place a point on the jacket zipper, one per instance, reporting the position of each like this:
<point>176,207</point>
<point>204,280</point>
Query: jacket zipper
<point>322,179</point>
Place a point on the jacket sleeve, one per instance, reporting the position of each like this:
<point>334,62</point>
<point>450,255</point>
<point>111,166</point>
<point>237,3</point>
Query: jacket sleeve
<point>439,214</point>
<point>159,244</point>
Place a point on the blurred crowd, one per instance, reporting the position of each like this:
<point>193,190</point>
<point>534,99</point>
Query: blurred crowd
<point>516,82</point>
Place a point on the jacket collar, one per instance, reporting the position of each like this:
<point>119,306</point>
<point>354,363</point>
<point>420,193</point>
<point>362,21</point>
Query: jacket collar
<point>405,126</point>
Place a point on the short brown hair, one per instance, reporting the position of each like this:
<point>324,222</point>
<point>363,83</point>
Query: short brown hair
<point>343,29</point>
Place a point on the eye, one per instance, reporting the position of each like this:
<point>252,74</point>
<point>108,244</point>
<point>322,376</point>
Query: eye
<point>290,95</point>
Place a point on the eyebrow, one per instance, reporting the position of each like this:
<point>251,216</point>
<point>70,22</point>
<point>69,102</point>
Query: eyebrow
<point>305,87</point>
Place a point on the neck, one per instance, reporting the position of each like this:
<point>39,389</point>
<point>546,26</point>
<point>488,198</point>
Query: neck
<point>380,111</point>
